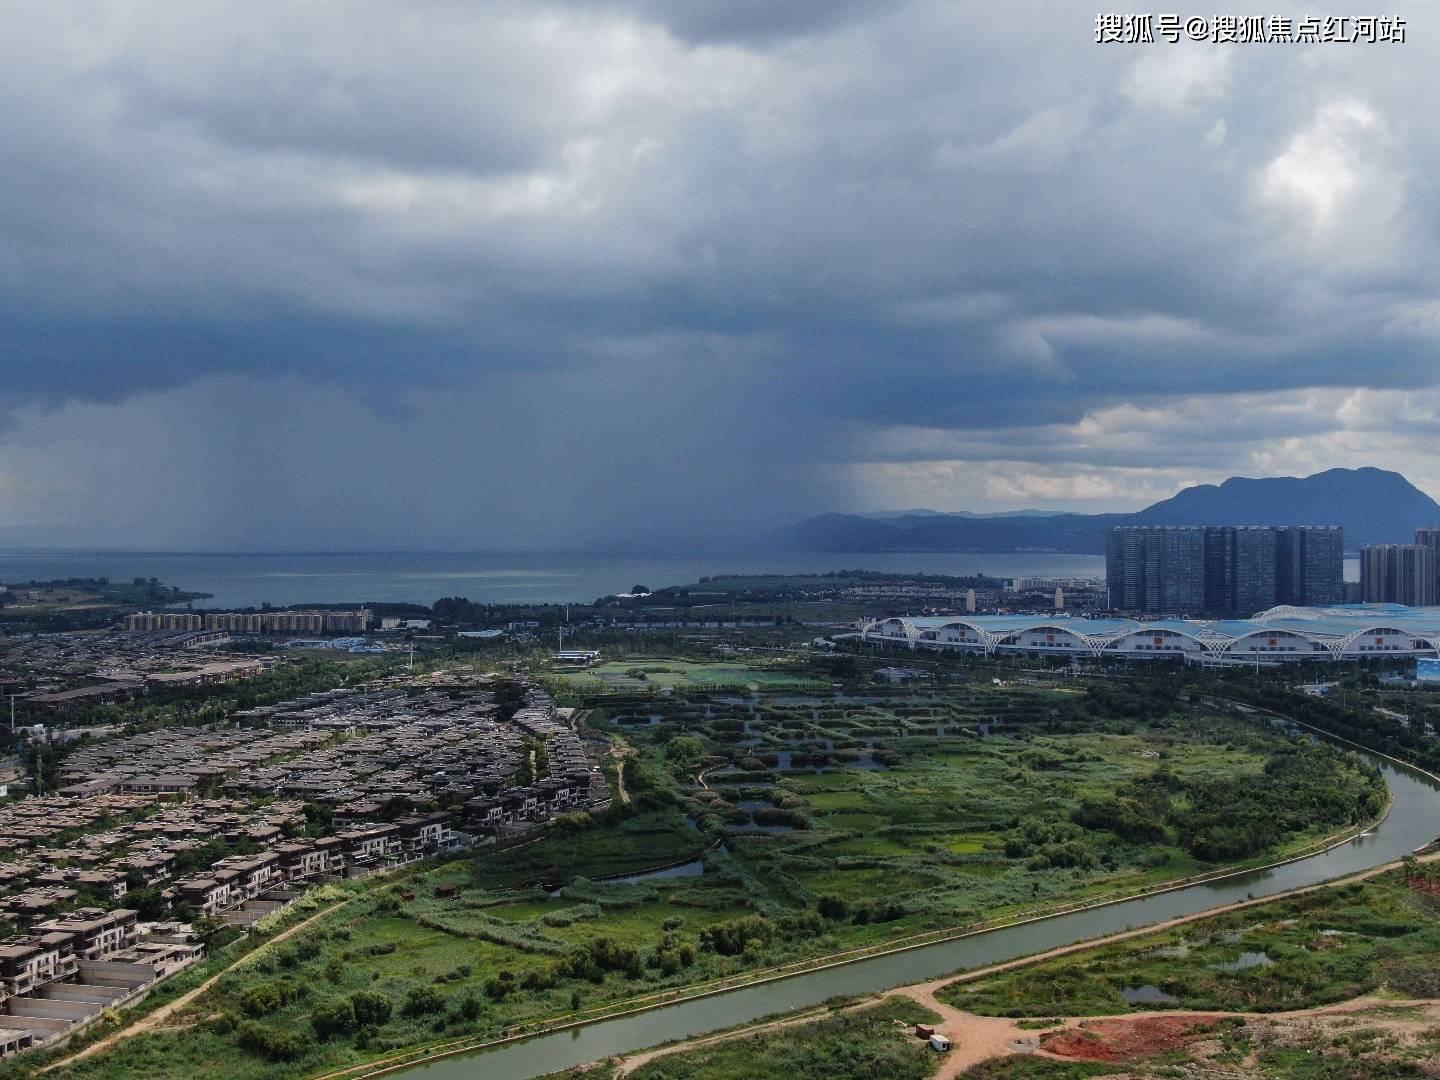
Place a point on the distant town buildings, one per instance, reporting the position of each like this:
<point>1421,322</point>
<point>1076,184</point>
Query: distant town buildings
<point>919,593</point>
<point>63,672</point>
<point>123,685</point>
<point>1402,573</point>
<point>258,622</point>
<point>1224,569</point>
<point>577,657</point>
<point>1056,593</point>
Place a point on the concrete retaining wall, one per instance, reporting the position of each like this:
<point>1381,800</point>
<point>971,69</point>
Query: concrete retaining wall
<point>115,973</point>
<point>38,1024</point>
<point>83,992</point>
<point>53,1008</point>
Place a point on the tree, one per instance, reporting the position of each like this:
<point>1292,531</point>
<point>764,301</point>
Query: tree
<point>147,903</point>
<point>423,999</point>
<point>685,750</point>
<point>319,819</point>
<point>371,1007</point>
<point>1410,867</point>
<point>499,987</point>
<point>469,1008</point>
<point>262,1000</point>
<point>333,1017</point>
<point>275,1044</point>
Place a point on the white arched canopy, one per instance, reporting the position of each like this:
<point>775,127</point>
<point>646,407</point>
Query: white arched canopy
<point>1280,634</point>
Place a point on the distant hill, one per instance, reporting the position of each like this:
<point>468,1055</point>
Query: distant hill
<point>1374,506</point>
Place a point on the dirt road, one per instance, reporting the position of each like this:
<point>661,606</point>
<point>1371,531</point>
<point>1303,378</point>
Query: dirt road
<point>619,751</point>
<point>979,1038</point>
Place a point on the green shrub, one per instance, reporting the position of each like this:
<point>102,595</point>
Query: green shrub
<point>263,999</point>
<point>1417,977</point>
<point>371,1007</point>
<point>730,938</point>
<point>333,1017</point>
<point>422,1000</point>
<point>469,1008</point>
<point>499,987</point>
<point>272,1043</point>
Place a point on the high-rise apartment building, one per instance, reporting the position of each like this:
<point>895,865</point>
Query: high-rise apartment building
<point>163,620</point>
<point>1430,537</point>
<point>1398,574</point>
<point>1256,572</point>
<point>1223,569</point>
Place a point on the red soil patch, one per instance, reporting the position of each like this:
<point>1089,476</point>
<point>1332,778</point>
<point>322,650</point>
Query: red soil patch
<point>1125,1040</point>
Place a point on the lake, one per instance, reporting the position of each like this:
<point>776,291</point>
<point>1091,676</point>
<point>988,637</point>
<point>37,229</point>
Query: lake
<point>422,578</point>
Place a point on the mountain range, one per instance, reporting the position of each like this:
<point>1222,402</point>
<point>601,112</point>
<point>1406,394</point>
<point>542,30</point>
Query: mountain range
<point>1374,506</point>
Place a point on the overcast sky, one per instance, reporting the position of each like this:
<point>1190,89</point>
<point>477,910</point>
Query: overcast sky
<point>468,275</point>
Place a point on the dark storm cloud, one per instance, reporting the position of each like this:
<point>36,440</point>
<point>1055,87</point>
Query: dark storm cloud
<point>589,229</point>
<point>743,21</point>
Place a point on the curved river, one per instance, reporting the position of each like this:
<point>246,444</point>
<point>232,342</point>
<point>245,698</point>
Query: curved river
<point>1413,821</point>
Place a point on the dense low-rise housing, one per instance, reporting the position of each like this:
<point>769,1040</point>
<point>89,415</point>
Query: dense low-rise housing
<point>67,671</point>
<point>229,821</point>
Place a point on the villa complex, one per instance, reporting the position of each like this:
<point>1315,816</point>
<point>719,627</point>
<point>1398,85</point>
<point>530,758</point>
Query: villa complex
<point>210,821</point>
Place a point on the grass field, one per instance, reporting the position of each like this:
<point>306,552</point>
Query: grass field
<point>1317,949</point>
<point>877,1043</point>
<point>683,674</point>
<point>838,821</point>
<point>1378,938</point>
